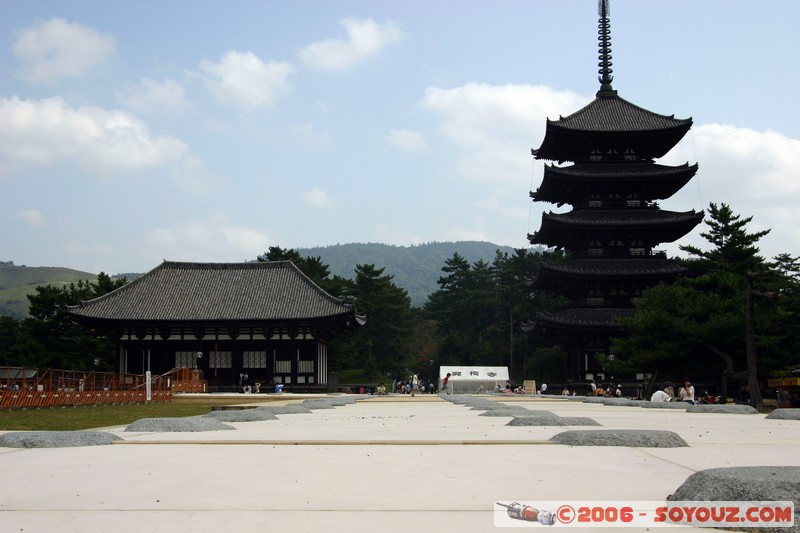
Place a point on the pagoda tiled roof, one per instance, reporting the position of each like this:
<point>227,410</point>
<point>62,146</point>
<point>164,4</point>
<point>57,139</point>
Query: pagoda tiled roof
<point>584,318</point>
<point>194,292</point>
<point>569,229</point>
<point>571,184</point>
<point>611,122</point>
<point>613,268</point>
<point>622,217</point>
<point>603,171</point>
<point>609,113</point>
<point>568,274</point>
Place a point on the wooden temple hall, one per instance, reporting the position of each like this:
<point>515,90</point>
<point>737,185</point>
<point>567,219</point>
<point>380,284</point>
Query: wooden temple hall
<point>603,166</point>
<point>268,321</point>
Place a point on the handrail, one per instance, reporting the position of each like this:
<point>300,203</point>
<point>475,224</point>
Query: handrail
<point>33,387</point>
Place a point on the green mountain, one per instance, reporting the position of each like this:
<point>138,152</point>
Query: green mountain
<point>16,282</point>
<point>415,268</point>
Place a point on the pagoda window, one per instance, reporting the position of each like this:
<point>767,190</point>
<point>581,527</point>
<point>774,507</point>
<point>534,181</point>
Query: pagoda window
<point>595,302</point>
<point>596,252</point>
<point>595,203</point>
<point>634,203</point>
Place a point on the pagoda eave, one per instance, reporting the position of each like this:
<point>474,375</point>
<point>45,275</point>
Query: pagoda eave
<point>584,319</point>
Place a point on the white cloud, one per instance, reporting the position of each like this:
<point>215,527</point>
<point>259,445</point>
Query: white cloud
<point>307,134</point>
<point>32,217</point>
<point>151,95</point>
<point>56,49</point>
<point>213,238</point>
<point>756,173</point>
<point>44,132</point>
<point>407,140</point>
<point>496,126</point>
<point>244,80</point>
<point>318,198</point>
<point>365,38</point>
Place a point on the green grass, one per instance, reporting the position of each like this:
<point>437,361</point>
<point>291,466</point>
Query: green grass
<point>94,416</point>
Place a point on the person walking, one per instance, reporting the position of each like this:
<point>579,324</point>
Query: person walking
<point>446,385</point>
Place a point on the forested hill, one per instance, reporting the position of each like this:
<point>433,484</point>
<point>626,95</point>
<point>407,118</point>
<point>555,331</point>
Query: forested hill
<point>415,268</point>
<point>16,282</point>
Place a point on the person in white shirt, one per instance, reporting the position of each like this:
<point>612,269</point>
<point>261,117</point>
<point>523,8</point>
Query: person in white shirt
<point>660,396</point>
<point>686,393</point>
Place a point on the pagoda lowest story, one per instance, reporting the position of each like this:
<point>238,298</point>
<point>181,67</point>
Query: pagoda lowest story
<point>610,235</point>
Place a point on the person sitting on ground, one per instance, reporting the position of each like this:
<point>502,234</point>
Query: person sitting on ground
<point>381,389</point>
<point>565,392</point>
<point>686,393</point>
<point>660,396</point>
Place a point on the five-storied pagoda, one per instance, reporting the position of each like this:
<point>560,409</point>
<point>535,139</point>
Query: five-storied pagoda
<point>609,236</point>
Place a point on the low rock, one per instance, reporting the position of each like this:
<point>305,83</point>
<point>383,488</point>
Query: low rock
<point>56,439</point>
<point>744,483</point>
<point>189,424</point>
<point>558,421</point>
<point>785,414</point>
<point>635,438</point>
<point>723,408</point>
<point>665,405</point>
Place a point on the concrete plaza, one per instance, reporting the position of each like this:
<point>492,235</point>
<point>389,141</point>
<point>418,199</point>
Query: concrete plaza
<point>395,463</point>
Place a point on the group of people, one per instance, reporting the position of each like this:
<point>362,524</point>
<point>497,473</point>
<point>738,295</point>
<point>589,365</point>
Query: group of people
<point>414,385</point>
<point>685,393</point>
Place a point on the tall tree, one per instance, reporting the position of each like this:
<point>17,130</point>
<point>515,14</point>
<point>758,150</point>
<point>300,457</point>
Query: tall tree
<point>51,339</point>
<point>382,345</point>
<point>718,318</point>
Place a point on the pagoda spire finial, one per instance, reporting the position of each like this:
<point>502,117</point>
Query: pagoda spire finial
<point>604,36</point>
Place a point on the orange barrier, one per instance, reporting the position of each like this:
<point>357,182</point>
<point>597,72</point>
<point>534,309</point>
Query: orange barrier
<point>22,387</point>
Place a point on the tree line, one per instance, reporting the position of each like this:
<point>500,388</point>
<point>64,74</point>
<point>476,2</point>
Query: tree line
<point>733,316</point>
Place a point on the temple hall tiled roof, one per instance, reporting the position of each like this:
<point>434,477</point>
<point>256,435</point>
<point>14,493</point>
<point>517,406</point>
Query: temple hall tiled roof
<point>191,292</point>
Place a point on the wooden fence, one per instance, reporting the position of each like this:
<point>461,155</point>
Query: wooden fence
<point>31,387</point>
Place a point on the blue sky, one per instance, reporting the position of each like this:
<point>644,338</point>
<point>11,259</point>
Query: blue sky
<point>132,132</point>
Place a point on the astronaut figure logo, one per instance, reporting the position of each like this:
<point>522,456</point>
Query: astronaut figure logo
<point>527,513</point>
